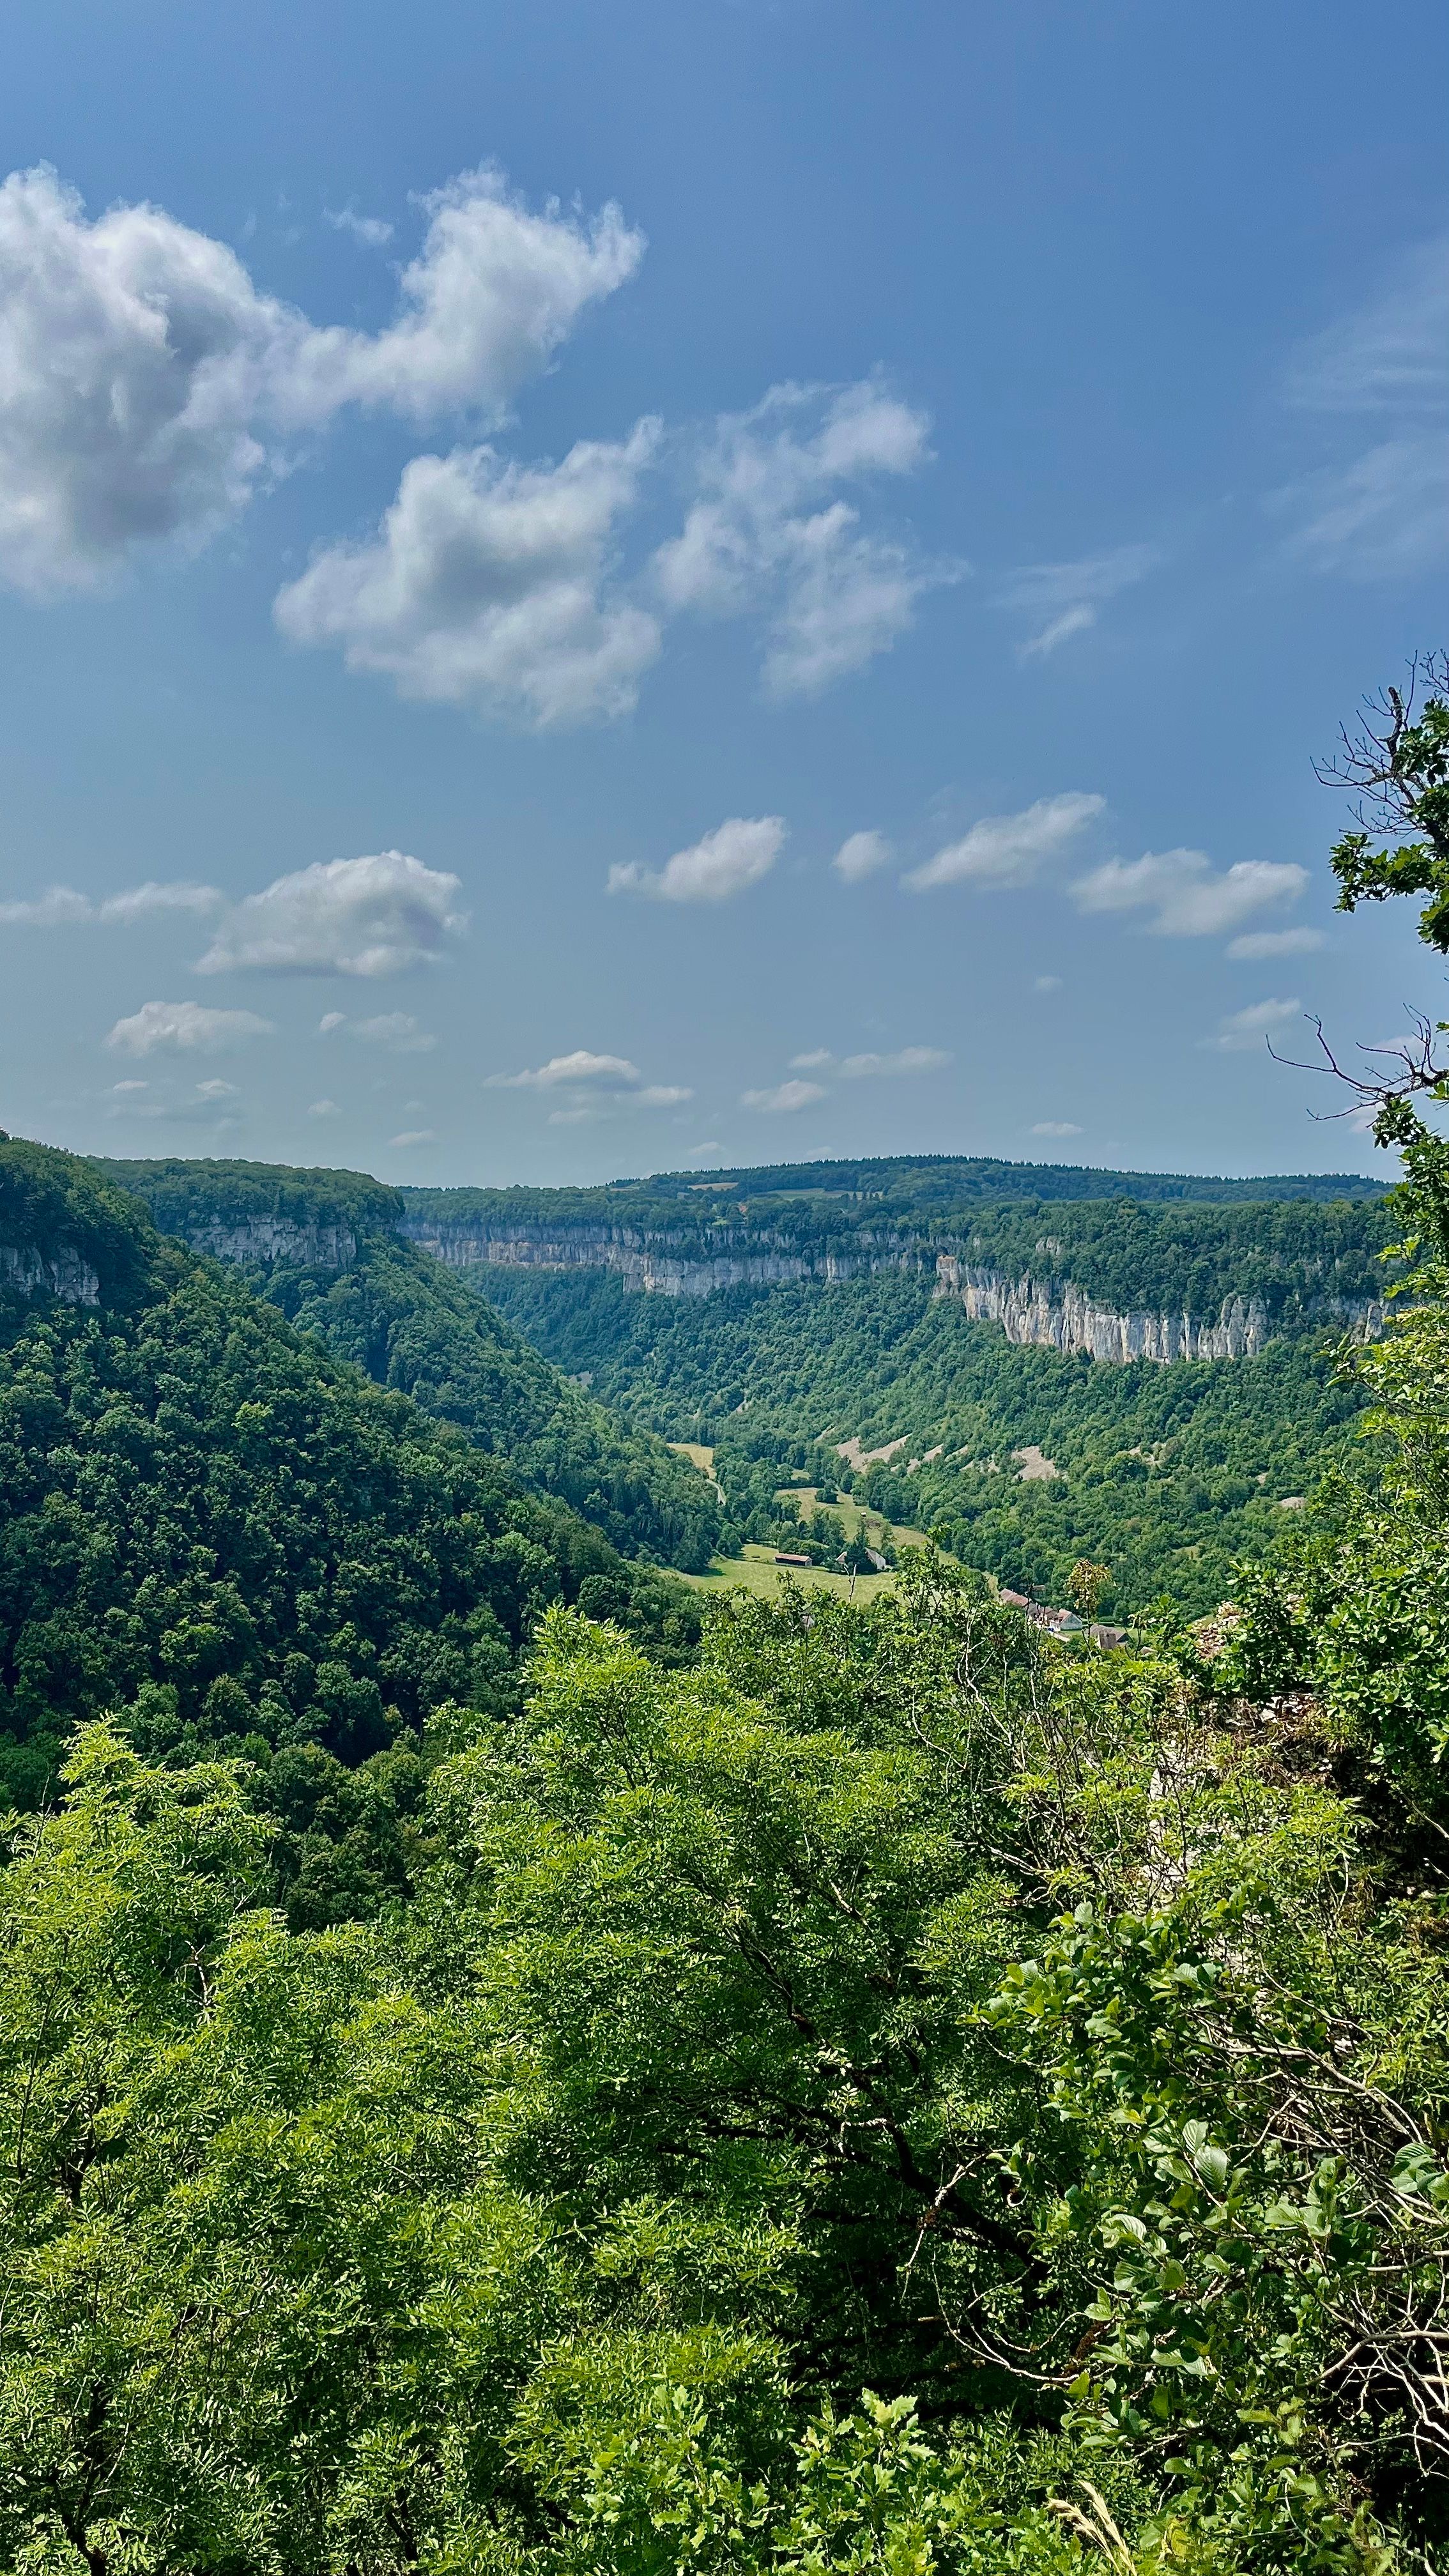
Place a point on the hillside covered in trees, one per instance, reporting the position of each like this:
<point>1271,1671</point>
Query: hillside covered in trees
<point>323,1248</point>
<point>1167,1474</point>
<point>497,2082</point>
<point>210,1523</point>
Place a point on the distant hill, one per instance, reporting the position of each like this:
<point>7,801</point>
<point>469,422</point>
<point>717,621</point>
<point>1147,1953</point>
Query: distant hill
<point>207,1520</point>
<point>955,1180</point>
<point>325,1248</point>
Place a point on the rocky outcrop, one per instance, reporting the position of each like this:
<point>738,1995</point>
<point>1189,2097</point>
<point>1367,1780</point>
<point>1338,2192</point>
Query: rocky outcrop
<point>650,1263</point>
<point>62,1274</point>
<point>1062,1317</point>
<point>274,1238</point>
<point>1052,1312</point>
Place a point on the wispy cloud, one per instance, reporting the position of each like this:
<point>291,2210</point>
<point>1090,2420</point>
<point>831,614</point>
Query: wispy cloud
<point>1055,1127</point>
<point>784,1098</point>
<point>59,907</point>
<point>1383,510</point>
<point>1187,896</point>
<point>770,532</point>
<point>398,1031</point>
<point>1008,849</point>
<point>1277,943</point>
<point>1065,597</point>
<point>728,860</point>
<point>1244,1031</point>
<point>371,230</point>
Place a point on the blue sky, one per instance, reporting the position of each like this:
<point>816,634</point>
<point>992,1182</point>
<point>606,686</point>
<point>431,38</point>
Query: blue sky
<point>593,588</point>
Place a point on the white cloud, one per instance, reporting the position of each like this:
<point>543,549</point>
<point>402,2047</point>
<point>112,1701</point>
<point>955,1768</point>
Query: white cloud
<point>485,586</point>
<point>769,532</point>
<point>599,1072</point>
<point>1277,943</point>
<point>371,230</point>
<point>372,916</point>
<point>1190,900</point>
<point>1055,1127</point>
<point>396,1030</point>
<point>1391,352</point>
<point>146,383</point>
<point>1245,1030</point>
<point>323,1109</point>
<point>861,855</point>
<point>729,859</point>
<point>911,1059</point>
<point>1046,984</point>
<point>1067,596</point>
<point>593,1080</point>
<point>60,907</point>
<point>785,1096</point>
<point>1007,849</point>
<point>815,1062</point>
<point>186,1028</point>
<point>415,1136</point>
<point>1385,510</point>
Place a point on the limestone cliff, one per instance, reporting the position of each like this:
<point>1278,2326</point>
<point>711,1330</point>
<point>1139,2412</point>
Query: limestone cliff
<point>1052,1312</point>
<point>314,1246</point>
<point>63,1273</point>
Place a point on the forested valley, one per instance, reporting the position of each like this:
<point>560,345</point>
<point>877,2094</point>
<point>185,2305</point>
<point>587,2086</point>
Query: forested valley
<point>504,2069</point>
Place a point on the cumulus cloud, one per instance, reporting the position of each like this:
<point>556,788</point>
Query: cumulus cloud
<point>1188,897</point>
<point>591,1081</point>
<point>1055,1127</point>
<point>486,586</point>
<point>147,385</point>
<point>861,856</point>
<point>1046,984</point>
<point>769,531</point>
<point>785,1097</point>
<point>1245,1030</point>
<point>1065,597</point>
<point>1007,849</point>
<point>1277,943</point>
<point>61,908</point>
<point>1383,510</point>
<point>815,1061</point>
<point>734,856</point>
<point>414,1136</point>
<point>371,916</point>
<point>186,1028</point>
<point>323,1109</point>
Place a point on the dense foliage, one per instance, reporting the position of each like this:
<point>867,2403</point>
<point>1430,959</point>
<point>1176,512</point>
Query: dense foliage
<point>898,2098</point>
<point>322,1247</point>
<point>1168,1474</point>
<point>208,1519</point>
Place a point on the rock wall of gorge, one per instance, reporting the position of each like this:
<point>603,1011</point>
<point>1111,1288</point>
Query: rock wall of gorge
<point>1051,1312</point>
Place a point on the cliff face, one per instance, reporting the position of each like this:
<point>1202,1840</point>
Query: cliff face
<point>1062,1317</point>
<point>63,1273</point>
<point>317,1246</point>
<point>1054,1313</point>
<point>654,1263</point>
